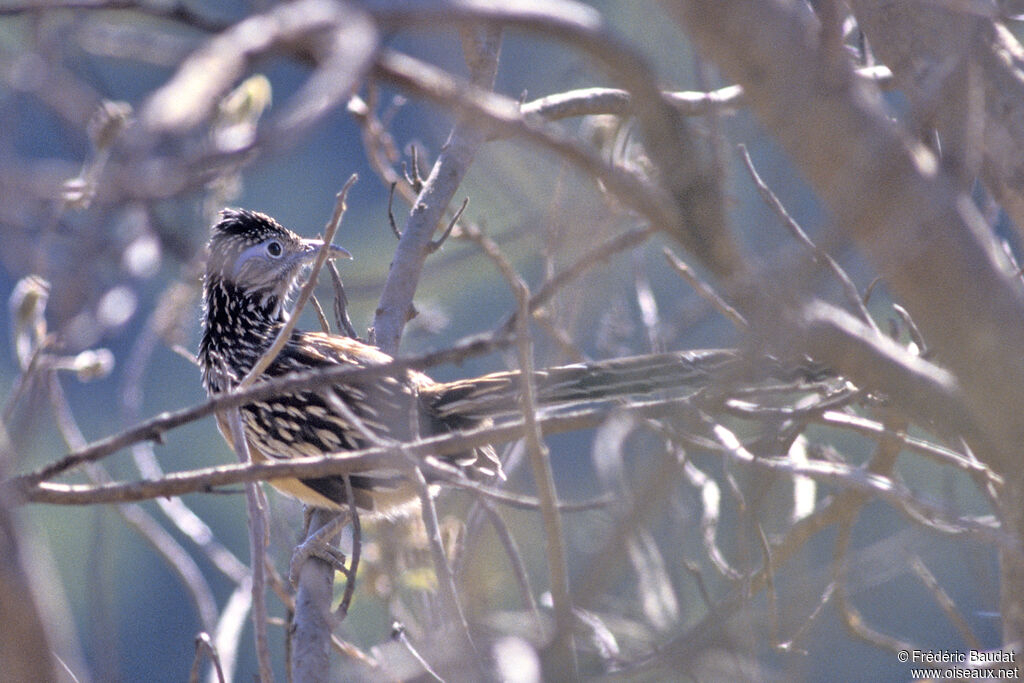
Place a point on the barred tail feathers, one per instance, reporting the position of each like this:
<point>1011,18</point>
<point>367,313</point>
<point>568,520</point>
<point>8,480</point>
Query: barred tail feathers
<point>499,392</point>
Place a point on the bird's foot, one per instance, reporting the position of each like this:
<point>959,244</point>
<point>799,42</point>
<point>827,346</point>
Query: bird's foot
<point>319,545</point>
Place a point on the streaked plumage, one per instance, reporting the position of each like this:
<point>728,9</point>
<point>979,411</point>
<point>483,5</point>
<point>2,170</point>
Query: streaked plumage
<point>253,265</point>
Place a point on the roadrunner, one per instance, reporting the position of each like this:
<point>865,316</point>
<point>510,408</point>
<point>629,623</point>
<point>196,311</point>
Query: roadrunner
<point>253,265</point>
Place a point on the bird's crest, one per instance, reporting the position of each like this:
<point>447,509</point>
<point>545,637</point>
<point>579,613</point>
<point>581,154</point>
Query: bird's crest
<point>251,226</point>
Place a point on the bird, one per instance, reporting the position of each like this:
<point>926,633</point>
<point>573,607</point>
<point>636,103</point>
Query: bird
<point>253,266</point>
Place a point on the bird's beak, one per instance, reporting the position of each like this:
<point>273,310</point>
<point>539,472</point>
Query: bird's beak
<point>313,248</point>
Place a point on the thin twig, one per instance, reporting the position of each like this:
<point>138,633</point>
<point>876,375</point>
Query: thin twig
<point>870,289</point>
<point>852,618</point>
<point>412,176</point>
<point>826,596</point>
<point>874,429</point>
<point>391,216</point>
<point>36,363</point>
<point>769,575</point>
<point>647,303</point>
<point>693,569</point>
<point>398,634</point>
<point>341,303</point>
<point>177,298</point>
<point>597,101</point>
<point>599,254</point>
<point>231,626</point>
<point>436,244</point>
<point>945,602</point>
<point>508,542</point>
<point>257,531</point>
<point>445,577</point>
<point>205,649</point>
<point>912,331</point>
<point>428,512</point>
<point>710,504</point>
<point>705,290</point>
<point>544,480</point>
<point>539,460</point>
<point>166,546</point>
<point>556,330</point>
<point>357,545</point>
<point>172,11</point>
<point>817,253</point>
<point>321,318</point>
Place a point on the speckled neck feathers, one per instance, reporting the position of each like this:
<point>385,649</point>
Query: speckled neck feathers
<point>238,327</point>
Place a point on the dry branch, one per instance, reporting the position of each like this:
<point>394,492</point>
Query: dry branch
<point>395,306</point>
<point>926,239</point>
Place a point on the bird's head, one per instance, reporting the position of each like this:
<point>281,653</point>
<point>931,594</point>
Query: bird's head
<point>258,255</point>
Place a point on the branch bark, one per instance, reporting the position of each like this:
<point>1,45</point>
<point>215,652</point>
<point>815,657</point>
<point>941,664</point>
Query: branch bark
<point>313,621</point>
<point>452,164</point>
<point>180,483</point>
<point>926,238</point>
<point>888,193</point>
<point>963,74</point>
<point>25,647</point>
<point>683,166</point>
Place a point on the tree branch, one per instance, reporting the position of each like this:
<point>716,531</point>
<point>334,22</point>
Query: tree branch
<point>395,306</point>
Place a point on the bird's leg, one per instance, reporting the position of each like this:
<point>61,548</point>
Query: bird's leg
<point>319,545</point>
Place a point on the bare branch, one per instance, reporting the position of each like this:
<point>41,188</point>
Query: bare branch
<point>206,649</point>
<point>817,253</point>
<point>436,244</point>
<point>313,619</point>
<point>432,201</point>
<point>599,254</point>
<point>501,114</point>
<point>543,477</point>
<point>208,73</point>
<point>180,483</point>
<point>596,101</point>
<point>945,602</point>
<point>852,619</point>
<point>357,545</point>
<point>952,281</point>
<point>694,201</point>
<point>705,290</point>
<point>167,547</point>
<point>873,361</point>
<point>257,524</point>
<point>172,11</point>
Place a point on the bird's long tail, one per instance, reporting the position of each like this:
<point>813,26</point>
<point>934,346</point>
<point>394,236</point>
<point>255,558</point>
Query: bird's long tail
<point>499,392</point>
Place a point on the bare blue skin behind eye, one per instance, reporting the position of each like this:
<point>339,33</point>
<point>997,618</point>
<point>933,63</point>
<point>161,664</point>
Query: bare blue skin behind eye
<point>255,251</point>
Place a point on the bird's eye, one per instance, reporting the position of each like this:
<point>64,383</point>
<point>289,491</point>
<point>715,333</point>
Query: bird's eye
<point>274,248</point>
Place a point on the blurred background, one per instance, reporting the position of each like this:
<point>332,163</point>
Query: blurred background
<point>123,268</point>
